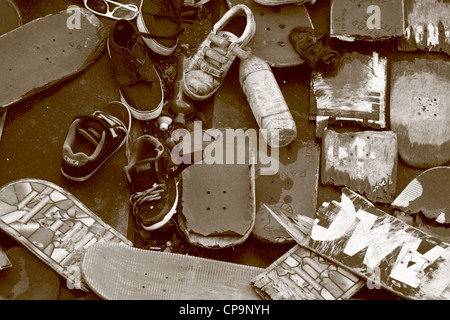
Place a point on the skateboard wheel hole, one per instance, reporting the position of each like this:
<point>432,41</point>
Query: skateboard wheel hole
<point>208,208</point>
<point>268,28</point>
<point>37,48</point>
<point>224,208</point>
<point>434,114</point>
<point>282,26</point>
<point>167,277</point>
<point>224,191</point>
<point>146,274</point>
<point>143,287</point>
<point>208,192</point>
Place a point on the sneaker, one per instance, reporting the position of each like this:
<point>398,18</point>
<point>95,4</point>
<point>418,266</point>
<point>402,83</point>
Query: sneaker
<point>282,2</point>
<point>92,140</point>
<point>162,20</point>
<point>154,196</point>
<point>141,88</point>
<point>208,67</point>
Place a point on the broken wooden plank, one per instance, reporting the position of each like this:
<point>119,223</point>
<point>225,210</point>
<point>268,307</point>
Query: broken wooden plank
<point>375,245</point>
<point>163,275</point>
<point>292,187</point>
<point>218,192</point>
<point>352,20</point>
<point>356,93</point>
<point>427,194</point>
<point>47,51</point>
<point>420,111</point>
<point>300,274</point>
<point>427,26</point>
<point>366,162</point>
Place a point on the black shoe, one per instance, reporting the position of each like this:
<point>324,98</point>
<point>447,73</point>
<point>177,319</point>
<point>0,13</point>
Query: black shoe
<point>92,140</point>
<point>154,195</point>
<point>141,88</point>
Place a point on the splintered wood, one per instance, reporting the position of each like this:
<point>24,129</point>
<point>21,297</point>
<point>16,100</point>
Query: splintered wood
<point>356,93</point>
<point>365,162</point>
<point>303,275</point>
<point>386,251</point>
<point>420,111</point>
<point>427,26</point>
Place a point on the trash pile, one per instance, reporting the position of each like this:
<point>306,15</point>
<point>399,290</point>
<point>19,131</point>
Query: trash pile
<point>196,184</point>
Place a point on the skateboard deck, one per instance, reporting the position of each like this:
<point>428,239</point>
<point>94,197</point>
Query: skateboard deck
<point>29,278</point>
<point>427,194</point>
<point>52,224</point>
<point>365,162</point>
<point>4,260</point>
<point>420,111</point>
<point>371,20</point>
<point>163,276</point>
<point>300,274</point>
<point>293,189</point>
<point>273,24</point>
<point>376,246</point>
<point>46,51</point>
<point>427,26</point>
<point>218,194</point>
<point>355,94</point>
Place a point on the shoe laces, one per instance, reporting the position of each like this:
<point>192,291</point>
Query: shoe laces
<point>150,195</point>
<point>219,53</point>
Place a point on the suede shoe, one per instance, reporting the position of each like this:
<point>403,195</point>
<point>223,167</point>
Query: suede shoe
<point>208,67</point>
<point>141,88</point>
<point>154,195</point>
<point>161,19</point>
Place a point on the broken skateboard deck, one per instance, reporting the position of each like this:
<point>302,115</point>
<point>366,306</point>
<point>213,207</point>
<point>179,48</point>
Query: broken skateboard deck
<point>29,278</point>
<point>366,20</point>
<point>218,192</point>
<point>300,274</point>
<point>47,51</point>
<point>356,235</point>
<point>420,111</point>
<point>427,26</point>
<point>273,25</point>
<point>292,188</point>
<point>163,276</point>
<point>354,94</point>
<point>52,224</point>
<point>365,162</point>
<point>427,194</point>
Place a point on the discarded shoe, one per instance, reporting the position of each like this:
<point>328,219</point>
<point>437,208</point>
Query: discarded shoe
<point>92,140</point>
<point>208,67</point>
<point>161,19</point>
<point>309,44</point>
<point>154,196</point>
<point>282,2</point>
<point>141,87</point>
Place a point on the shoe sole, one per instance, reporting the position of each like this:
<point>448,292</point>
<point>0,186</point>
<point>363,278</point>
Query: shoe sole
<point>167,217</point>
<point>137,114</point>
<point>152,43</point>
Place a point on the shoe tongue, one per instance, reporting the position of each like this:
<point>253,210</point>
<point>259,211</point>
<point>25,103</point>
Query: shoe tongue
<point>92,131</point>
<point>143,174</point>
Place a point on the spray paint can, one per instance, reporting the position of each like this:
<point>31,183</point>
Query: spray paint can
<point>267,102</point>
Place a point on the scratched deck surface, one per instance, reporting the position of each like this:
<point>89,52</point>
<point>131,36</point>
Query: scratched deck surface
<point>427,26</point>
<point>366,162</point>
<point>49,48</point>
<point>163,275</point>
<point>355,94</point>
<point>300,274</point>
<point>366,20</point>
<point>52,224</point>
<point>420,111</point>
<point>377,246</point>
